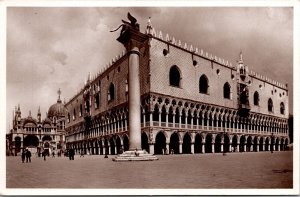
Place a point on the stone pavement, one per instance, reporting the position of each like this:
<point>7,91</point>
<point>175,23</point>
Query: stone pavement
<point>234,171</point>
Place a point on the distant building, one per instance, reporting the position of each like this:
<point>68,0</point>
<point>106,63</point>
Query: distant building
<point>191,102</point>
<point>37,134</point>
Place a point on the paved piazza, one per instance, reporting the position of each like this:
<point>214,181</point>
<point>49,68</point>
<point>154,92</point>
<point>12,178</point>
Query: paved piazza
<point>235,170</point>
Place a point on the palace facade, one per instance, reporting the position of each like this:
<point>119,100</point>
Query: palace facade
<point>191,102</point>
<point>38,134</point>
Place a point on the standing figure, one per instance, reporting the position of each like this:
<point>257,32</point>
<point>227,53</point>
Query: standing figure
<point>44,155</point>
<point>28,156</point>
<point>23,156</point>
<point>53,154</point>
<point>71,154</point>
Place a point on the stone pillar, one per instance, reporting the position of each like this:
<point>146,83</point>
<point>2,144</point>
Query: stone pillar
<point>269,147</point>
<point>99,150</point>
<point>159,118</point>
<point>230,147</point>
<point>245,147</point>
<point>151,119</point>
<point>222,147</point>
<point>263,147</point>
<point>167,119</point>
<point>173,120</point>
<point>167,148</point>
<point>180,147</point>
<point>192,148</point>
<point>116,151</point>
<point>279,147</point>
<point>109,150</point>
<point>257,148</point>
<point>144,120</point>
<point>213,147</point>
<point>251,148</point>
<point>237,147</point>
<point>151,148</point>
<point>203,148</point>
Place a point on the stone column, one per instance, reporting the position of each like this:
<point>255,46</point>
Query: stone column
<point>222,147</point>
<point>245,147</point>
<point>144,120</point>
<point>151,119</point>
<point>257,147</point>
<point>213,147</point>
<point>238,147</point>
<point>180,147</point>
<point>167,148</point>
<point>230,146</point>
<point>203,147</point>
<point>151,148</point>
<point>109,150</point>
<point>192,148</point>
<point>167,119</point>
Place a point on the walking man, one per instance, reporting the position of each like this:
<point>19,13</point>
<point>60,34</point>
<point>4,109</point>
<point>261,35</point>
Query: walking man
<point>28,156</point>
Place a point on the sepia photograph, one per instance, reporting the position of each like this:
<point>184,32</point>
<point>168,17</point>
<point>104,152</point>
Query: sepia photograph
<point>149,99</point>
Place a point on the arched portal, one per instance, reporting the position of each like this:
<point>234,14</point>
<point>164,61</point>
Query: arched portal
<point>234,143</point>
<point>145,144</point>
<point>267,144</point>
<point>276,144</point>
<point>174,143</point>
<point>242,143</point>
<point>46,138</point>
<point>261,144</point>
<point>31,141</point>
<point>160,143</point>
<point>118,145</point>
<point>18,145</point>
<point>282,144</point>
<point>208,143</point>
<point>255,144</point>
<point>198,144</point>
<point>112,146</point>
<point>286,144</point>
<point>126,143</point>
<point>249,144</point>
<point>186,146</point>
<point>218,143</point>
<point>226,143</point>
<point>106,147</point>
<point>96,148</point>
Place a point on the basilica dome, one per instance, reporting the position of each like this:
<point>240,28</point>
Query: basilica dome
<point>58,109</point>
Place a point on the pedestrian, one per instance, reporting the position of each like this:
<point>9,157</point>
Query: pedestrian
<point>44,155</point>
<point>28,156</point>
<point>23,156</point>
<point>53,154</point>
<point>71,154</point>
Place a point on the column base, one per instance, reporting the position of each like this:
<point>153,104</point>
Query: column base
<point>139,155</point>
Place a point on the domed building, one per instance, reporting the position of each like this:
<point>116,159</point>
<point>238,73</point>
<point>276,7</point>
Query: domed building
<point>37,134</point>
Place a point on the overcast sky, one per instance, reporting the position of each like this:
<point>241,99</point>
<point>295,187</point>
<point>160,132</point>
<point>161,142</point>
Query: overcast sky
<point>52,48</point>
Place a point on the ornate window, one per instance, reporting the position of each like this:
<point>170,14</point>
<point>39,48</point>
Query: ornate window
<point>97,101</point>
<point>270,105</point>
<point>174,76</point>
<point>226,90</point>
<point>256,98</point>
<point>282,108</point>
<point>111,92</point>
<point>203,84</point>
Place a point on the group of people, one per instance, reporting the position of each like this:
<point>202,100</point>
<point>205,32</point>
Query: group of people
<point>26,154</point>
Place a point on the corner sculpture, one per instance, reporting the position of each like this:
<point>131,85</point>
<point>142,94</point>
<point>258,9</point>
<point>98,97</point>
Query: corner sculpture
<point>127,25</point>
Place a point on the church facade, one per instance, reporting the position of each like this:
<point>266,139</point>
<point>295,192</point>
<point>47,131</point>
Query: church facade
<point>191,102</point>
<point>37,134</point>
